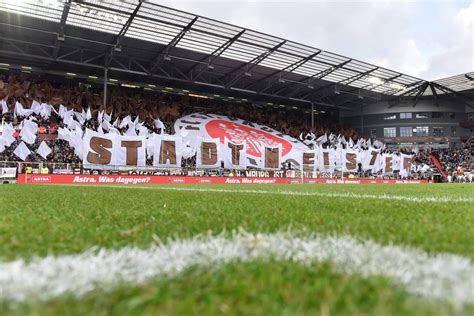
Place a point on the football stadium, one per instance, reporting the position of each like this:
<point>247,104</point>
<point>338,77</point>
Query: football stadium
<point>159,162</point>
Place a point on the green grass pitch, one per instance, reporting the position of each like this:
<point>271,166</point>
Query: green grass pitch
<point>38,220</point>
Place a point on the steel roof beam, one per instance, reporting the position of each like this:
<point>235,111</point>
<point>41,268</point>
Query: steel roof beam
<point>156,62</point>
<point>288,69</point>
<point>456,93</point>
<point>374,87</point>
<point>346,81</point>
<point>316,76</point>
<point>216,53</point>
<point>62,23</point>
<point>109,57</point>
<point>127,24</point>
<point>433,90</point>
<point>251,64</point>
<point>416,86</point>
<point>420,93</point>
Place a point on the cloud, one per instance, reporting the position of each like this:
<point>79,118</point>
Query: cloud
<point>458,53</point>
<point>420,38</point>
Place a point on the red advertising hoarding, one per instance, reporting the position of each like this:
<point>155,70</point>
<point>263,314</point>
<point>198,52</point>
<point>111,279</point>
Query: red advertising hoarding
<point>138,179</point>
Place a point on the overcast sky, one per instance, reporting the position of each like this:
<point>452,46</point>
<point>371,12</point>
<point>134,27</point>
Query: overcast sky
<point>428,39</point>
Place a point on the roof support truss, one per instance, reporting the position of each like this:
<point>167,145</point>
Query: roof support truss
<point>346,81</point>
<point>127,24</point>
<point>62,23</point>
<point>121,34</point>
<point>455,93</point>
<point>422,90</point>
<point>247,67</point>
<point>285,71</point>
<point>156,62</point>
<point>317,76</point>
<point>216,53</point>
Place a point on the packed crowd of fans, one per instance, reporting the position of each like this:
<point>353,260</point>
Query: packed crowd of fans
<point>166,106</point>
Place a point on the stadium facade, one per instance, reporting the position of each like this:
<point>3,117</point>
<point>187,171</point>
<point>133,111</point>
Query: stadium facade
<point>142,45</point>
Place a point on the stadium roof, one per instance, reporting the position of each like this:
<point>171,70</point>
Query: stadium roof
<point>144,38</point>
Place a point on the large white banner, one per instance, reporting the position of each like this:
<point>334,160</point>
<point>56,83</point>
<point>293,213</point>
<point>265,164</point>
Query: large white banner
<point>349,160</point>
<point>208,154</point>
<point>109,150</point>
<point>370,160</point>
<point>167,151</point>
<point>234,154</point>
<point>217,140</point>
<point>327,159</point>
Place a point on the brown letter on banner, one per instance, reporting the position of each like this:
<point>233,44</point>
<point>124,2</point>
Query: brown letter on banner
<point>131,148</point>
<point>102,155</point>
<point>208,153</point>
<point>308,162</point>
<point>374,157</point>
<point>406,163</point>
<point>271,158</point>
<point>235,150</point>
<point>168,152</point>
<point>326,159</point>
<point>388,164</point>
<point>351,161</point>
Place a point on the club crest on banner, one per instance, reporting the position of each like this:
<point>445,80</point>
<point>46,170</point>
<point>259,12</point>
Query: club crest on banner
<point>204,126</point>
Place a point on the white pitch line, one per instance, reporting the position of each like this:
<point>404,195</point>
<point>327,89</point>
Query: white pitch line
<point>417,199</point>
<point>443,277</point>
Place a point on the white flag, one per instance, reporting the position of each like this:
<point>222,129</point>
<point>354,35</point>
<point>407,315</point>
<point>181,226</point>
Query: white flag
<point>107,117</point>
<point>142,130</point>
<point>125,122</point>
<point>100,129</point>
<point>44,150</point>
<point>106,125</point>
<point>28,131</point>
<point>4,106</point>
<point>27,136</point>
<point>64,133</point>
<point>322,139</point>
<point>62,111</point>
<point>100,116</point>
<point>159,124</point>
<point>36,107</point>
<point>131,131</point>
<point>7,135</point>
<point>20,111</point>
<point>79,116</point>
<point>45,110</point>
<point>22,151</point>
<point>351,142</point>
